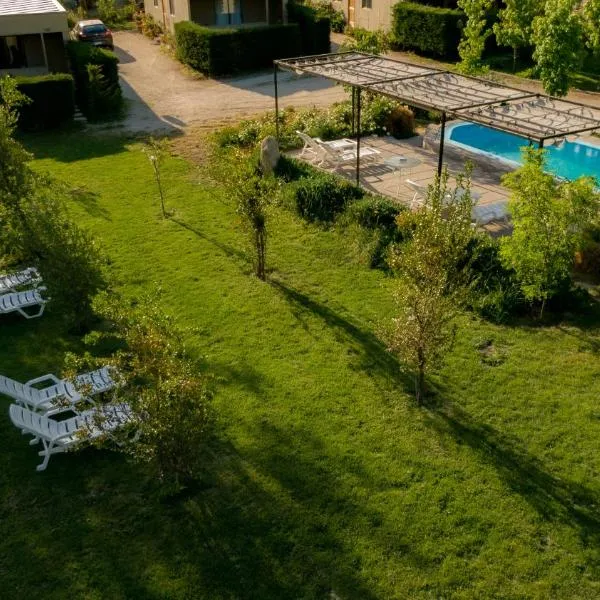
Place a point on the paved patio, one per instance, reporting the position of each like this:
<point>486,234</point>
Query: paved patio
<point>381,178</point>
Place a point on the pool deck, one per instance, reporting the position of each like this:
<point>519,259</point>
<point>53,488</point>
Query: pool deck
<point>379,177</point>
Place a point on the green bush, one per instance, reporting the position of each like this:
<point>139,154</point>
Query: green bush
<point>225,51</point>
<point>315,30</point>
<point>323,196</point>
<point>97,97</point>
<point>52,101</point>
<point>325,10</point>
<point>427,29</point>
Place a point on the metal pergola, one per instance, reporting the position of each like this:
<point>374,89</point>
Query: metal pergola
<point>536,117</point>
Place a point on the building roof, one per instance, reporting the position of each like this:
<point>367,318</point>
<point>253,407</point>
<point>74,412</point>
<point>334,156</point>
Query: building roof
<point>29,7</point>
<point>534,116</point>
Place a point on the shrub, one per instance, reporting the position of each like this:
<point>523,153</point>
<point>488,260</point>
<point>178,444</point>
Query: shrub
<point>324,196</point>
<point>52,101</point>
<point>427,29</point>
<point>148,25</point>
<point>225,51</point>
<point>363,40</point>
<point>314,30</point>
<point>98,96</point>
<point>324,10</point>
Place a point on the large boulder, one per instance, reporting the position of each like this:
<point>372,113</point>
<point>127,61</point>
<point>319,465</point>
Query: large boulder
<point>269,154</point>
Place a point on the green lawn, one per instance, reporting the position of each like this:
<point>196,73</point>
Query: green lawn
<point>324,480</point>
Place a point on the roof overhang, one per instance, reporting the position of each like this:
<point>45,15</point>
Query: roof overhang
<point>22,17</point>
<point>534,116</point>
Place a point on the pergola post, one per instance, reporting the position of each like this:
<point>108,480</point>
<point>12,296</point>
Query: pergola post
<point>541,144</point>
<point>358,94</point>
<point>353,111</point>
<point>44,51</point>
<point>441,151</point>
<point>275,67</point>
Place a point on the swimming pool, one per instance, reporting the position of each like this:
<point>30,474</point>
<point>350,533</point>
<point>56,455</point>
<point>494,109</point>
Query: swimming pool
<point>570,160</point>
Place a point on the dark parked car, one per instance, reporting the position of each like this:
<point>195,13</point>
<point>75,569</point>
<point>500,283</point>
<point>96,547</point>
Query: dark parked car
<point>94,32</point>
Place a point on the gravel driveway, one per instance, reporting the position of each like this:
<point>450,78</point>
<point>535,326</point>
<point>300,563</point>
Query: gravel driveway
<point>163,95</point>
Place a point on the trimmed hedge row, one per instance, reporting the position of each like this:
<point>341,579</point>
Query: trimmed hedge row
<point>314,29</point>
<point>52,101</point>
<point>427,29</point>
<point>98,94</point>
<point>225,51</point>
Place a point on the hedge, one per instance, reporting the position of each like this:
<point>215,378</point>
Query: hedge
<point>427,29</point>
<point>52,101</point>
<point>314,29</point>
<point>226,51</point>
<point>95,101</point>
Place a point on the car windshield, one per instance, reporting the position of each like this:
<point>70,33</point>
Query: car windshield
<point>91,29</point>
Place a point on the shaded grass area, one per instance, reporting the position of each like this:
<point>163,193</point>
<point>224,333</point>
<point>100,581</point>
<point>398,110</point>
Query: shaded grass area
<point>322,475</point>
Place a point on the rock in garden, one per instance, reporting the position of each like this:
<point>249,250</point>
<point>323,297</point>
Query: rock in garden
<point>269,154</point>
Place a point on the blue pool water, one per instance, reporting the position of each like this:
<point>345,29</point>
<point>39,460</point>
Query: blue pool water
<point>571,160</point>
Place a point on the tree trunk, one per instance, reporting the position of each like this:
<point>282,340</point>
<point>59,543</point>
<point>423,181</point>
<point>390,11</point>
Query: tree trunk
<point>158,183</point>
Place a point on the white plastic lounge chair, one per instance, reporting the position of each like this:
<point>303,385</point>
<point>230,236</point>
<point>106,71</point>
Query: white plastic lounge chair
<point>18,301</point>
<point>311,148</point>
<point>486,213</point>
<point>339,155</point>
<point>60,436</point>
<point>420,193</point>
<point>11,281</point>
<point>61,394</point>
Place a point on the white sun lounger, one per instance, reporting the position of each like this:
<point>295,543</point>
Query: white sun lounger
<point>311,148</point>
<point>60,436</point>
<point>61,394</point>
<point>338,154</point>
<point>19,301</point>
<point>11,281</point>
<point>486,213</point>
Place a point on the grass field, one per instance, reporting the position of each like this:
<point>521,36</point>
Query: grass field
<point>324,480</point>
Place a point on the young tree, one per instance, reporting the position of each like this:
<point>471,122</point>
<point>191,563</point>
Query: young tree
<point>254,195</point>
<point>157,151</point>
<point>558,39</point>
<point>430,269</point>
<point>474,35</point>
<point>548,220</point>
<point>514,29</point>
<point>168,395</point>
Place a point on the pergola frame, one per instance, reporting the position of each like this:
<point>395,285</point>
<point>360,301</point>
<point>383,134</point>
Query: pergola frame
<point>534,116</point>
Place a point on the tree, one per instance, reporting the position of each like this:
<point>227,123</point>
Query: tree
<point>166,390</point>
<point>558,39</point>
<point>474,35</point>
<point>371,42</point>
<point>156,151</point>
<point>430,269</point>
<point>591,24</point>
<point>514,28</point>
<point>254,197</point>
<point>548,220</point>
<point>36,228</point>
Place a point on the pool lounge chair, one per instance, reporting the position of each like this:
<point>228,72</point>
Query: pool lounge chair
<point>9,282</point>
<point>486,213</point>
<point>61,394</point>
<point>60,436</point>
<point>312,149</point>
<point>19,301</point>
<point>338,155</point>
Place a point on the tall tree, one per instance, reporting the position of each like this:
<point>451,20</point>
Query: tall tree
<point>591,22</point>
<point>558,39</point>
<point>514,28</point>
<point>474,35</point>
<point>548,220</point>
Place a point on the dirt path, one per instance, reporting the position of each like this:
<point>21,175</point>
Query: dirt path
<point>163,96</point>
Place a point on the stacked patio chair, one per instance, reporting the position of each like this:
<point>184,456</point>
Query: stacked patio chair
<point>12,299</point>
<point>60,436</point>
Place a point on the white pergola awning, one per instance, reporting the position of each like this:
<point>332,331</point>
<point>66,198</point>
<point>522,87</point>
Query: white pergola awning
<point>534,116</point>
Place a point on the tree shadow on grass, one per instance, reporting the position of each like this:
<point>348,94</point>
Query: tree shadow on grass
<point>374,358</point>
<point>89,201</point>
<point>225,248</point>
<point>235,535</point>
<point>556,499</point>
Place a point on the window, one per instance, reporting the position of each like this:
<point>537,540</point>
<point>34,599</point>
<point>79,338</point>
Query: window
<point>228,12</point>
<point>367,3</point>
<point>156,3</point>
<point>172,7</point>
